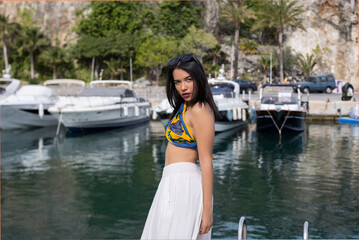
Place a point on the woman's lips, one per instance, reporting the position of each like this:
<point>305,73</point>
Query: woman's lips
<point>186,95</point>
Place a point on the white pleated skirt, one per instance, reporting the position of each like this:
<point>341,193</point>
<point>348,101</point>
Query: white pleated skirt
<point>176,210</point>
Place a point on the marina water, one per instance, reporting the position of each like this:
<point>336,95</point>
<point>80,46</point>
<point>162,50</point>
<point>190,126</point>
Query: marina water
<point>100,185</point>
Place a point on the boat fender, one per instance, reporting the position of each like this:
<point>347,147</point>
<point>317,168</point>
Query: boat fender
<point>244,115</point>
<point>229,115</point>
<point>41,110</point>
<point>125,111</point>
<point>148,113</point>
<point>154,114</point>
<point>239,113</point>
<point>137,111</point>
<point>234,111</point>
<point>253,115</point>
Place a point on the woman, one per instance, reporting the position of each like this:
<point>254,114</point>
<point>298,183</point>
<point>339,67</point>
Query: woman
<point>182,206</point>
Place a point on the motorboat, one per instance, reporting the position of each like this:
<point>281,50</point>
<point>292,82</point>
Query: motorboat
<point>232,109</point>
<point>104,104</point>
<point>162,111</point>
<point>280,109</point>
<point>353,116</point>
<point>28,106</point>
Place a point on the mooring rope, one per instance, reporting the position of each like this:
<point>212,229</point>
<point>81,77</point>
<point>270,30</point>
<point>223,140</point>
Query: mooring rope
<point>275,124</point>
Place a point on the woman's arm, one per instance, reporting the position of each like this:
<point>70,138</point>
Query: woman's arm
<point>202,120</point>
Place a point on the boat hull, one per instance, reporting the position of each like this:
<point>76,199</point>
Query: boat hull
<point>284,120</point>
<point>24,116</point>
<point>102,117</point>
<point>348,120</point>
<point>222,126</point>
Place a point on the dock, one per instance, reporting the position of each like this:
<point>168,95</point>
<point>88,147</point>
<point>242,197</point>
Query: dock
<point>322,107</point>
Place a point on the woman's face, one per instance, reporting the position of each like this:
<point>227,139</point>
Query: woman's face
<point>184,84</point>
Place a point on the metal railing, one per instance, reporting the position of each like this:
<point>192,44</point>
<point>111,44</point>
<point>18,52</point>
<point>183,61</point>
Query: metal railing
<point>242,229</point>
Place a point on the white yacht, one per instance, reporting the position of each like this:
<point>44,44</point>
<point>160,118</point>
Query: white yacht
<point>28,106</point>
<point>231,107</point>
<point>102,106</point>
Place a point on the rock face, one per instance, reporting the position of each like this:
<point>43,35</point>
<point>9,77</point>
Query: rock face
<point>55,18</point>
<point>331,25</point>
<point>211,17</point>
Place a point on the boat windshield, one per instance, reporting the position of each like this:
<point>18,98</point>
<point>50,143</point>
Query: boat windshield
<point>279,100</point>
<point>224,89</point>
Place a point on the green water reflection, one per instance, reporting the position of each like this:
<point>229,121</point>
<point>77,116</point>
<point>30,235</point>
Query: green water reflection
<point>100,185</point>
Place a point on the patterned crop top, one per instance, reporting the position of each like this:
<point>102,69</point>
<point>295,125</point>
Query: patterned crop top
<point>178,132</point>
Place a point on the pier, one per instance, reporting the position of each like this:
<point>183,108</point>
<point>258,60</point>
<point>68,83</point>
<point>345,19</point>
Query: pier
<point>322,107</point>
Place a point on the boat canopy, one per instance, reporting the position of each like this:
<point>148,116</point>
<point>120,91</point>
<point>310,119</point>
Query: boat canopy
<point>35,90</point>
<point>65,87</point>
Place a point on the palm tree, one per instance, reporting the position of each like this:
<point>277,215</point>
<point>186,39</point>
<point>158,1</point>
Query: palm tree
<point>307,63</point>
<point>53,55</point>
<point>264,66</point>
<point>5,29</point>
<point>237,13</point>
<point>113,64</point>
<point>32,39</point>
<point>279,15</point>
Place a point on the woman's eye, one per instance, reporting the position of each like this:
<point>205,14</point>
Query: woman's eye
<point>189,79</point>
<point>177,82</point>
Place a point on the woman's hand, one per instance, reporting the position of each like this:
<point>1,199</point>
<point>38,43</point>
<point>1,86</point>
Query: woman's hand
<point>206,222</point>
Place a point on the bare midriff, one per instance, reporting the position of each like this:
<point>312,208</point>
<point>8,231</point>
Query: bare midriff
<point>176,154</point>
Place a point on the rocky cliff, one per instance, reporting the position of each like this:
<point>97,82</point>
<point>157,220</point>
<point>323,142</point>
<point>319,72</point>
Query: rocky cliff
<point>330,24</point>
<point>333,26</point>
<point>55,18</point>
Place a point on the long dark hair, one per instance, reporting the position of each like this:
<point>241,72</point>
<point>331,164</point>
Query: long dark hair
<point>202,92</point>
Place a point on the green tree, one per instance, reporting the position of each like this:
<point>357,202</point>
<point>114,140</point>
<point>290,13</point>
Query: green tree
<point>124,48</point>
<point>279,15</point>
<point>155,53</point>
<point>248,46</point>
<point>264,66</point>
<point>113,64</point>
<point>113,16</point>
<point>289,58</point>
<point>32,41</point>
<point>54,56</point>
<point>238,13</point>
<point>198,42</point>
<point>306,63</point>
<point>175,17</point>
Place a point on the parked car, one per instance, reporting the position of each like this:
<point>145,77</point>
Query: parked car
<point>246,85</point>
<point>317,83</point>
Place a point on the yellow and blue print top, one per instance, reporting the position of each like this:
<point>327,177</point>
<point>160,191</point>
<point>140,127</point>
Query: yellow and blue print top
<point>177,131</point>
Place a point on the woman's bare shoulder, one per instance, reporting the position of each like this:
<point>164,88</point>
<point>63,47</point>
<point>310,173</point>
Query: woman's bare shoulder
<point>201,110</point>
